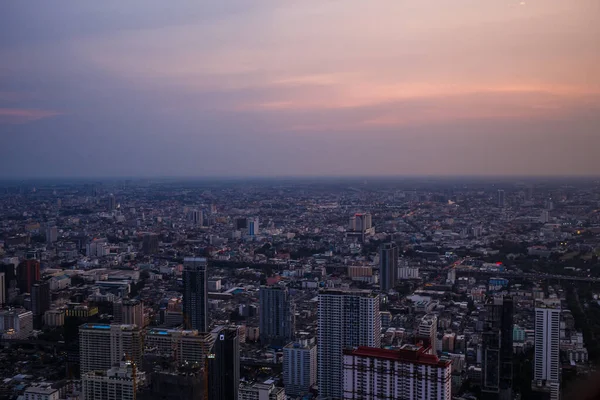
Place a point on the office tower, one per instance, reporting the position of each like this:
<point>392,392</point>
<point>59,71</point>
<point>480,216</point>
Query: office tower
<point>10,281</point>
<point>40,301</point>
<point>347,318</point>
<point>276,316</point>
<point>184,346</point>
<point>224,365</point>
<point>117,383</point>
<point>150,244</point>
<point>299,367</point>
<point>253,224</point>
<point>409,374</point>
<point>129,312</point>
<point>2,290</point>
<point>195,293</point>
<point>497,349</point>
<point>196,217</point>
<point>428,330</point>
<point>546,371</point>
<point>544,217</point>
<point>112,202</point>
<point>388,266</point>
<point>241,224</point>
<point>101,346</point>
<point>360,222</point>
<point>28,272</point>
<point>501,198</point>
<point>15,323</point>
<point>51,234</point>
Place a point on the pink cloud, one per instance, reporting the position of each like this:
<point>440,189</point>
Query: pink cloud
<point>24,115</point>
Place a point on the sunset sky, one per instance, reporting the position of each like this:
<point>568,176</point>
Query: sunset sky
<point>299,87</point>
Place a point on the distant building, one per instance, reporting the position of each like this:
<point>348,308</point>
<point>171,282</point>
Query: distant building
<point>16,323</point>
<point>40,302</point>
<point>101,345</point>
<point>195,293</point>
<point>196,217</point>
<point>224,366</point>
<point>546,372</point>
<point>54,318</point>
<point>111,203</point>
<point>388,266</point>
<point>360,225</point>
<point>150,244</point>
<point>428,330</point>
<point>253,226</point>
<point>501,198</point>
<point>28,272</point>
<point>241,224</point>
<point>347,318</point>
<point>299,367</point>
<point>184,346</point>
<point>116,383</point>
<point>409,373</point>
<point>2,289</point>
<point>261,391</point>
<point>51,234</point>
<point>276,316</point>
<point>129,312</point>
<point>46,392</point>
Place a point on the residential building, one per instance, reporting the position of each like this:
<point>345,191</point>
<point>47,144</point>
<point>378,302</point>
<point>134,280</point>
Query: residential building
<point>347,318</point>
<point>546,372</point>
<point>299,367</point>
<point>261,391</point>
<point>101,346</point>
<point>428,330</point>
<point>45,392</point>
<point>116,383</point>
<point>276,316</point>
<point>185,346</point>
<point>16,323</point>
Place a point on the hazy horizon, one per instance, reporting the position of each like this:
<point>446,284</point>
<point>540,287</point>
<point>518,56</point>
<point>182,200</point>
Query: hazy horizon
<point>285,89</point>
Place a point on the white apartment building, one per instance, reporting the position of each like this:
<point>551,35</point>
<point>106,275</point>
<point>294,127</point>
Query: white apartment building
<point>299,367</point>
<point>117,383</point>
<point>347,318</point>
<point>41,393</point>
<point>261,391</point>
<point>409,374</point>
<point>546,370</point>
<point>101,346</point>
<point>428,329</point>
<point>184,345</point>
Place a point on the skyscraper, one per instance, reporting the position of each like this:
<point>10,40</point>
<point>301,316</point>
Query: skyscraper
<point>224,365</point>
<point>112,202</point>
<point>546,372</point>
<point>28,272</point>
<point>497,340</point>
<point>501,198</point>
<point>299,367</point>
<point>276,316</point>
<point>117,383</point>
<point>388,266</point>
<point>409,373</point>
<point>253,224</point>
<point>101,345</point>
<point>40,302</point>
<point>195,293</point>
<point>150,243</point>
<point>2,290</point>
<point>347,318</point>
<point>129,312</point>
<point>51,234</point>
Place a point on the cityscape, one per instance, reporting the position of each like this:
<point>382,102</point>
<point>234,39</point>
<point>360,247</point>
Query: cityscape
<point>332,288</point>
<point>299,200</point>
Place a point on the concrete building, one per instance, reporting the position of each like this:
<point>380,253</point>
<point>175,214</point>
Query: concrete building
<point>195,293</point>
<point>276,316</point>
<point>51,234</point>
<point>54,318</point>
<point>45,392</point>
<point>388,266</point>
<point>101,346</point>
<point>299,367</point>
<point>261,391</point>
<point>546,372</point>
<point>428,330</point>
<point>347,318</point>
<point>409,373</point>
<point>40,302</point>
<point>2,290</point>
<point>129,312</point>
<point>224,365</point>
<point>16,323</point>
<point>116,383</point>
<point>253,226</point>
<point>185,346</point>
<point>28,272</point>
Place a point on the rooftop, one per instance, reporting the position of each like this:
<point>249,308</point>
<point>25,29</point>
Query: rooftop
<point>408,353</point>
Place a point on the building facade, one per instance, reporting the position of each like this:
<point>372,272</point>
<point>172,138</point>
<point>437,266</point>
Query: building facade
<point>101,346</point>
<point>546,372</point>
<point>276,316</point>
<point>299,367</point>
<point>117,383</point>
<point>195,293</point>
<point>388,266</point>
<point>409,374</point>
<point>224,365</point>
<point>347,318</point>
<point>185,346</point>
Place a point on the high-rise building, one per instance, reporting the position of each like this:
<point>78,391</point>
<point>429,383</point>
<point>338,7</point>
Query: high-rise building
<point>299,367</point>
<point>101,346</point>
<point>224,365</point>
<point>388,266</point>
<point>129,312</point>
<point>112,202</point>
<point>196,217</point>
<point>501,198</point>
<point>497,349</point>
<point>428,330</point>
<point>276,316</point>
<point>150,243</point>
<point>184,346</point>
<point>241,224</point>
<point>253,224</point>
<point>40,301</point>
<point>347,318</point>
<point>2,290</point>
<point>28,272</point>
<point>360,225</point>
<point>546,372</point>
<point>117,383</point>
<point>195,293</point>
<point>51,234</point>
<point>409,373</point>
<point>544,217</point>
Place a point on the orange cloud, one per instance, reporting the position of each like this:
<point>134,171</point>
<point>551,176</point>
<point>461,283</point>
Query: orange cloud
<point>23,115</point>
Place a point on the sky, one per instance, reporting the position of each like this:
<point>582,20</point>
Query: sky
<point>299,88</point>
